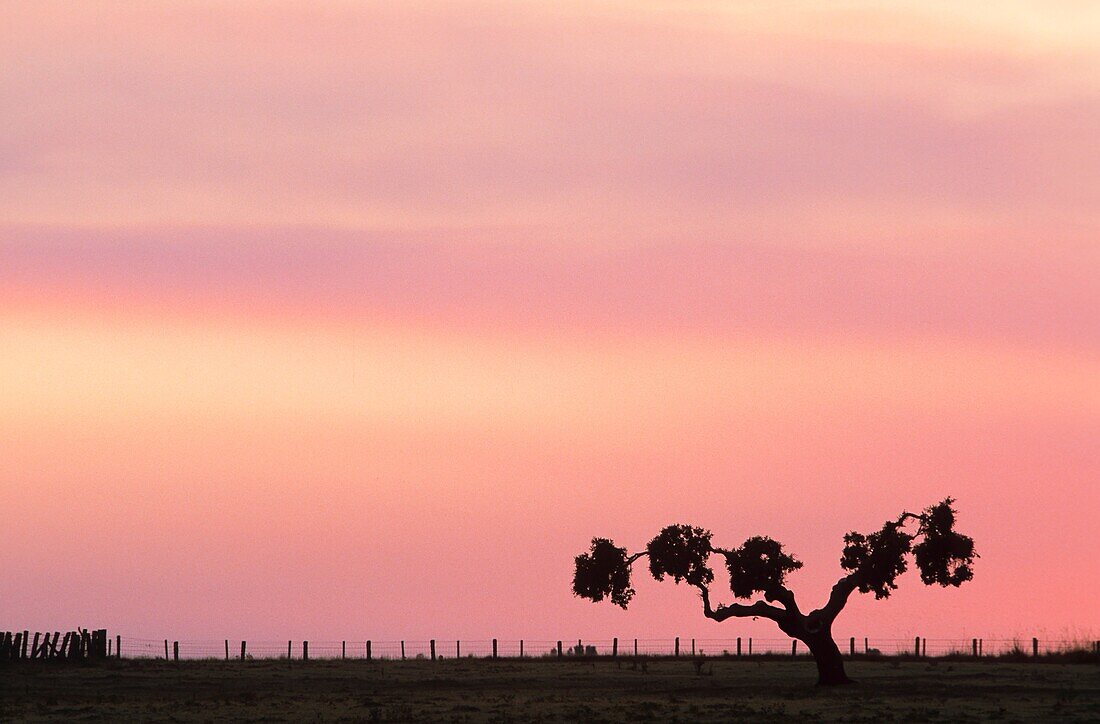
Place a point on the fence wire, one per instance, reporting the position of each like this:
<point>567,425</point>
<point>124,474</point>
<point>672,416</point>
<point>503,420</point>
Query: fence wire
<point>395,650</point>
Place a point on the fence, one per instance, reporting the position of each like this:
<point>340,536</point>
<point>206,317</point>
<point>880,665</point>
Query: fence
<point>76,645</point>
<point>434,649</point>
<point>96,644</point>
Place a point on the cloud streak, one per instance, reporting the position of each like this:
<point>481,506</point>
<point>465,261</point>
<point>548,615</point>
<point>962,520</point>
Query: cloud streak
<point>510,278</point>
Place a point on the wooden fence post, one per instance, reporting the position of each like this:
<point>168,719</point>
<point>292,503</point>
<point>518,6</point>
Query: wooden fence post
<point>615,647</point>
<point>974,647</point>
<point>750,645</point>
<point>559,649</point>
<point>243,646</point>
<point>289,650</point>
<point>433,649</point>
<point>635,647</point>
<point>458,649</point>
<point>118,644</point>
<point>924,647</point>
<point>34,646</point>
<point>26,641</point>
<point>738,647</point>
<point>693,647</point>
<point>866,646</point>
<point>402,650</point>
<point>916,651</point>
<point>676,647</point>
<point>343,649</point>
<point>794,647</point>
<point>368,650</point>
<point>305,651</point>
<point>1034,647</point>
<point>852,646</point>
<point>981,647</point>
<point>521,648</point>
<point>165,649</point>
<point>175,650</point>
<point>494,648</point>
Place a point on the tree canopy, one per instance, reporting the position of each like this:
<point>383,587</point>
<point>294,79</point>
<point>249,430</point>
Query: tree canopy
<point>760,565</point>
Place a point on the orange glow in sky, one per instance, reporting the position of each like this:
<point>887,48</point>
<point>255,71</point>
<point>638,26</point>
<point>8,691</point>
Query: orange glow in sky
<point>362,319</point>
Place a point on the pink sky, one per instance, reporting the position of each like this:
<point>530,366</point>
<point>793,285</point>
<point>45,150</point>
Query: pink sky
<point>359,321</point>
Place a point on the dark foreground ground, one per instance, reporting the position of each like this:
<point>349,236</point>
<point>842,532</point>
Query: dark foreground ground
<point>547,690</point>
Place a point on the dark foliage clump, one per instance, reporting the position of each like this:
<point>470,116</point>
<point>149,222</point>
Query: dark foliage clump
<point>681,551</point>
<point>603,572</point>
<point>759,565</point>
<point>944,556</point>
<point>877,559</point>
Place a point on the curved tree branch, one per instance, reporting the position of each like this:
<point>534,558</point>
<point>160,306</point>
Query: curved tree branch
<point>837,599</point>
<point>906,516</point>
<point>784,596</point>
<point>738,610</point>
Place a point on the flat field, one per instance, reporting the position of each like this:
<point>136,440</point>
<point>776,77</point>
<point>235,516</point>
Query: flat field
<point>547,690</point>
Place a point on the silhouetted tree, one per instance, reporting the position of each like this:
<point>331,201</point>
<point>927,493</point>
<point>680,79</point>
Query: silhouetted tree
<point>873,561</point>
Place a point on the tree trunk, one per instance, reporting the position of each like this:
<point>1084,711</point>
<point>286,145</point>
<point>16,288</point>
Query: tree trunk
<point>830,664</point>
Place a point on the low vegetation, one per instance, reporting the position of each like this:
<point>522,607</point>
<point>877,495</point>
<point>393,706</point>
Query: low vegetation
<point>543,689</point>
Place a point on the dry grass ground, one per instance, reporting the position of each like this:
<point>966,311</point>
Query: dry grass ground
<point>547,690</point>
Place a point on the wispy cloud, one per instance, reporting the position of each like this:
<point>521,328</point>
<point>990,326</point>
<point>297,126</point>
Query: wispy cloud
<point>474,112</point>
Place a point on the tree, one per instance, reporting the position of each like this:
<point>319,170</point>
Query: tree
<point>873,562</point>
